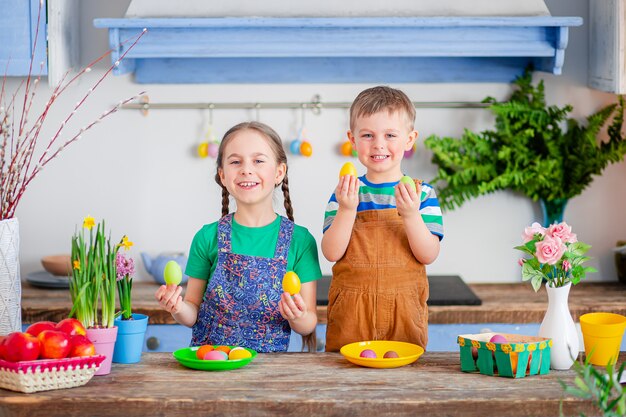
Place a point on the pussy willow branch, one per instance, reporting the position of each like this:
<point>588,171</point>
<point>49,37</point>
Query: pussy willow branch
<point>24,118</point>
<point>20,172</point>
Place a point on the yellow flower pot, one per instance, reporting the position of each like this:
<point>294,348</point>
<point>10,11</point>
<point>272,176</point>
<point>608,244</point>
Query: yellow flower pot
<point>602,335</point>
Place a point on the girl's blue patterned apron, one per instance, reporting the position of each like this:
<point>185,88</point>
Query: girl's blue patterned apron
<point>240,304</point>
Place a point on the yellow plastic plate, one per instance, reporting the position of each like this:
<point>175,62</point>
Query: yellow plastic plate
<point>408,353</point>
<point>187,357</point>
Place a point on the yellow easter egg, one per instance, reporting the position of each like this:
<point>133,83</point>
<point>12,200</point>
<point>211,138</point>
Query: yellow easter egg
<point>203,150</point>
<point>239,353</point>
<point>291,283</point>
<point>347,169</point>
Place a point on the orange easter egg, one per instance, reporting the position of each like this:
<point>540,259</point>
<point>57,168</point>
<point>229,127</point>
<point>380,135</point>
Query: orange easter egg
<point>346,148</point>
<point>203,350</point>
<point>306,149</point>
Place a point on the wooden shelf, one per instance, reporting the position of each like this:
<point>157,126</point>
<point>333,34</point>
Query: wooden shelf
<point>502,303</point>
<point>338,50</point>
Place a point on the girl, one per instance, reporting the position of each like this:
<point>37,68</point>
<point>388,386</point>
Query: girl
<point>236,265</point>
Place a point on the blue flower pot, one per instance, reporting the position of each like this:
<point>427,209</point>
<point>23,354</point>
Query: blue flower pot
<point>130,338</point>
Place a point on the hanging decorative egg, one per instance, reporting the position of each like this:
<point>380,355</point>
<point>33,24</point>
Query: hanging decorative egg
<point>294,147</point>
<point>203,150</point>
<point>410,152</point>
<point>306,149</point>
<point>213,149</point>
<point>346,148</point>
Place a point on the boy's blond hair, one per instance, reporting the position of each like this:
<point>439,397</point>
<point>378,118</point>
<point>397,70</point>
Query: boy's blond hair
<point>376,99</point>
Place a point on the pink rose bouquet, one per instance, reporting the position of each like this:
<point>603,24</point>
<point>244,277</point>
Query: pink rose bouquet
<point>556,255</point>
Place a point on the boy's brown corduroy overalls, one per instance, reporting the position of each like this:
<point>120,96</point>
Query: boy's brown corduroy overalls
<point>378,290</point>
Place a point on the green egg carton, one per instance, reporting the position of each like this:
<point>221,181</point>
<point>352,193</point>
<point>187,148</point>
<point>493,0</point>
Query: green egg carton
<point>520,356</point>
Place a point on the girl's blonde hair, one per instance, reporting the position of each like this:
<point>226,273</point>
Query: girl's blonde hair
<point>273,139</point>
<point>279,153</point>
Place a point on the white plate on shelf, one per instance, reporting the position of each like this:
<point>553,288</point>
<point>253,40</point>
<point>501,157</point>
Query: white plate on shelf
<point>44,279</point>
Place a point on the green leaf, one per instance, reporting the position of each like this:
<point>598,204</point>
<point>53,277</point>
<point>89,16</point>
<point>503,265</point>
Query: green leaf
<point>534,149</point>
<point>536,282</point>
<point>578,248</point>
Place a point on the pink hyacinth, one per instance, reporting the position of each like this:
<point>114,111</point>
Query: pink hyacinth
<point>125,266</point>
<point>563,231</point>
<point>530,232</point>
<point>550,250</point>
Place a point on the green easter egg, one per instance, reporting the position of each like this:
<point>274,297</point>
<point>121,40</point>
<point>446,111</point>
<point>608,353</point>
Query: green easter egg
<point>172,273</point>
<point>408,180</point>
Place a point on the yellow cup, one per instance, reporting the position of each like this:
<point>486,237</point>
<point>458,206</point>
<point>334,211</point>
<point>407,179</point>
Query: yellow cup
<point>602,335</point>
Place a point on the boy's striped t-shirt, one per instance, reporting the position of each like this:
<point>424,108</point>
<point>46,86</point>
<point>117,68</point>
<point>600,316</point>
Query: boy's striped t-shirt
<point>382,196</point>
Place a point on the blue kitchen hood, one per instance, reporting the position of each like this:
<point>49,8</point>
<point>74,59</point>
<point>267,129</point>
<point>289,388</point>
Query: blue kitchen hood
<point>337,49</point>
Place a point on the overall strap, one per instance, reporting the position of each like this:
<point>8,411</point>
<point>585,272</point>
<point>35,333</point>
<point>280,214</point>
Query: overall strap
<point>284,239</point>
<point>224,228</point>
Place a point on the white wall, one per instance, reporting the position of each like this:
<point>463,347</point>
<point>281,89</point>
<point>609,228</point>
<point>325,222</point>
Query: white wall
<point>139,173</point>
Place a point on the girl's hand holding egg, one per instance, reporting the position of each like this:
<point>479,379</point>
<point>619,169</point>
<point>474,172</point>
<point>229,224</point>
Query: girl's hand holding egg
<point>169,298</point>
<point>172,273</point>
<point>291,283</point>
<point>291,305</point>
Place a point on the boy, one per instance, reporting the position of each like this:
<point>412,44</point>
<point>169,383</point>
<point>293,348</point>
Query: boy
<point>379,231</point>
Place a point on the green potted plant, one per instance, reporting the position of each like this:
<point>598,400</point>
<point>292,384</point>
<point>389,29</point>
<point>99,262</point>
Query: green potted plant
<point>93,286</point>
<point>602,389</point>
<point>131,326</point>
<point>534,149</point>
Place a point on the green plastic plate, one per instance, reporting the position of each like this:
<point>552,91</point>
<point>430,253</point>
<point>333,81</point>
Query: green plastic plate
<point>187,357</point>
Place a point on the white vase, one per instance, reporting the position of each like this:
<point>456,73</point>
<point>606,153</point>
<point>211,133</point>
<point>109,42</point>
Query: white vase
<point>10,284</point>
<point>559,326</point>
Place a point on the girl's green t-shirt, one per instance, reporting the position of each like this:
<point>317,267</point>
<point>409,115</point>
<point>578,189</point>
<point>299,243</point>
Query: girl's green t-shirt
<point>254,241</point>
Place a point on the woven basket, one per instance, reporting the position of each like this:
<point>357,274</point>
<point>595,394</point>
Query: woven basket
<point>48,374</point>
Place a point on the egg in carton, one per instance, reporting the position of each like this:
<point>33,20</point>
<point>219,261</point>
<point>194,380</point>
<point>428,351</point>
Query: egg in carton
<point>505,354</point>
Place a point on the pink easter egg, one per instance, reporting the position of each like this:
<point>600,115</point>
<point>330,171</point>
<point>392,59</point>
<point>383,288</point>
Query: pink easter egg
<point>212,149</point>
<point>215,355</point>
<point>368,353</point>
<point>497,338</point>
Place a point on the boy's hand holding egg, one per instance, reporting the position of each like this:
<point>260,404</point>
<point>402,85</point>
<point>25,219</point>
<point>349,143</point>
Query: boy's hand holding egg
<point>408,180</point>
<point>347,191</point>
<point>347,169</point>
<point>407,203</point>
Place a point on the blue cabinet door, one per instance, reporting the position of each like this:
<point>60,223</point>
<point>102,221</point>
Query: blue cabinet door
<point>20,23</point>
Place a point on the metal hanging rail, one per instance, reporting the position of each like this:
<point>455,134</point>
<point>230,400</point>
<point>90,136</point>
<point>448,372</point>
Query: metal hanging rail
<point>315,105</point>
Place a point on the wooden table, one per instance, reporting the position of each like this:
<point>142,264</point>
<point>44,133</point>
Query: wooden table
<point>302,384</point>
<point>502,303</point>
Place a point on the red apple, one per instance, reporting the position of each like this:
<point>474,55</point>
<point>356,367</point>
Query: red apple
<point>54,344</point>
<point>38,327</point>
<point>21,347</point>
<point>81,346</point>
<point>2,346</point>
<point>71,327</point>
